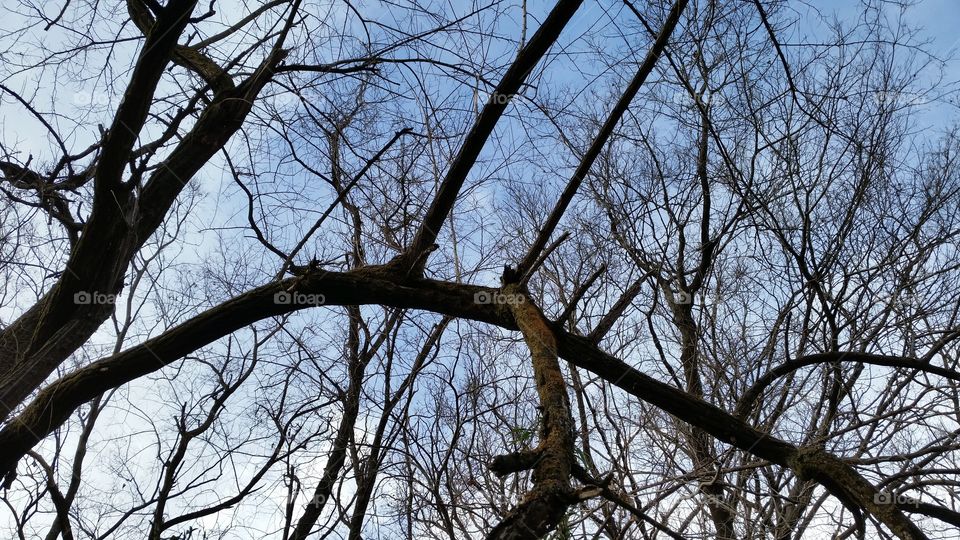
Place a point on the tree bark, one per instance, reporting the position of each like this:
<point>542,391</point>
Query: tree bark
<point>543,507</point>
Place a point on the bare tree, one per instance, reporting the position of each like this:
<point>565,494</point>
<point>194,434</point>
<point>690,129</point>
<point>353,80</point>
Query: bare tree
<point>484,269</point>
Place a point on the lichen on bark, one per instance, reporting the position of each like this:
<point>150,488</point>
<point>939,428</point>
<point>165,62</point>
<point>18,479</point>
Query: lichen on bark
<point>544,505</point>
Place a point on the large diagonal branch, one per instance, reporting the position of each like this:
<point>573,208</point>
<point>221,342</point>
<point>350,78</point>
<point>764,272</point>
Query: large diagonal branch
<point>586,161</point>
<point>56,322</point>
<point>46,334</point>
<point>374,285</point>
<point>158,47</point>
<point>413,259</point>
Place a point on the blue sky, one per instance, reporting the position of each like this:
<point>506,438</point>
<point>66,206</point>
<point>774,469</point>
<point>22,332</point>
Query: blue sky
<point>936,21</point>
<point>940,18</point>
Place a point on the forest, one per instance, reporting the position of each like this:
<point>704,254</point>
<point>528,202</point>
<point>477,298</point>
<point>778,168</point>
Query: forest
<point>479,269</point>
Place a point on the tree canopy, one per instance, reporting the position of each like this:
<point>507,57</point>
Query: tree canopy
<point>483,269</point>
